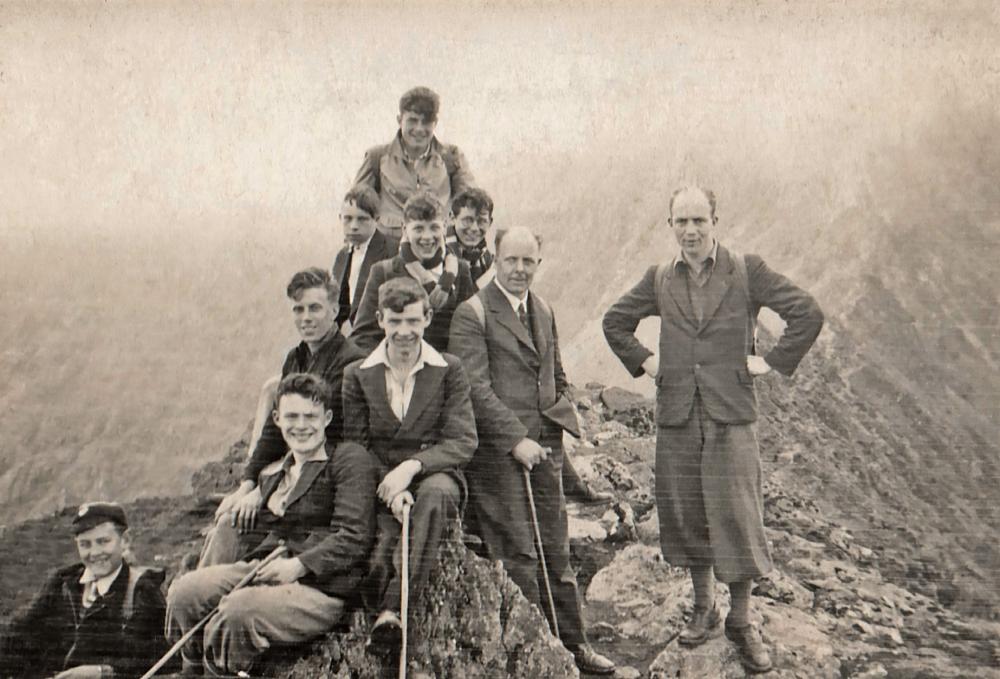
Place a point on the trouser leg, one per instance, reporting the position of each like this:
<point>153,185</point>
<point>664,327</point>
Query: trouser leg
<point>550,505</point>
<point>225,544</point>
<point>192,596</point>
<point>436,498</point>
<point>254,619</point>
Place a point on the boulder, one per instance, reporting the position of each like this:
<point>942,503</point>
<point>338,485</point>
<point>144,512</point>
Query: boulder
<point>472,622</point>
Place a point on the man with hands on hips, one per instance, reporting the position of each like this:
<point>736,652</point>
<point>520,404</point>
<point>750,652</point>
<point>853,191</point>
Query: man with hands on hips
<point>708,476</point>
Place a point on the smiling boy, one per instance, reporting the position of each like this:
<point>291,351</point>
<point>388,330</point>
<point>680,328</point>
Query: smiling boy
<point>410,406</point>
<point>415,161</point>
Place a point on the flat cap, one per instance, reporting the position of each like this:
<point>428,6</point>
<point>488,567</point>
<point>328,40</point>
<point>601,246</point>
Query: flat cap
<point>93,514</point>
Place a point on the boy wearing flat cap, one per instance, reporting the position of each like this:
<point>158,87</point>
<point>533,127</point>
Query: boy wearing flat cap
<point>98,619</point>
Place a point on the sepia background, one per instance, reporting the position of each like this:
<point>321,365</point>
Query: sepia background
<point>167,166</point>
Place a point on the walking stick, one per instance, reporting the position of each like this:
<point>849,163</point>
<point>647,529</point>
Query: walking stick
<point>541,552</point>
<point>278,551</point>
<point>404,585</point>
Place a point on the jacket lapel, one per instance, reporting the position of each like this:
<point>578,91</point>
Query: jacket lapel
<point>505,316</point>
<point>270,483</point>
<point>373,383</point>
<point>428,381</point>
<point>542,321</point>
<point>309,473</point>
<point>717,287</point>
<point>677,288</point>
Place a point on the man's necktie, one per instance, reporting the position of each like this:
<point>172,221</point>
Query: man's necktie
<point>345,286</point>
<point>522,315</point>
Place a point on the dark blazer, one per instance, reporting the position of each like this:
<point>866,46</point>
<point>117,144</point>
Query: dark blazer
<point>329,520</point>
<point>710,357</point>
<point>367,333</point>
<point>55,632</point>
<point>328,362</point>
<point>380,247</point>
<point>439,429</point>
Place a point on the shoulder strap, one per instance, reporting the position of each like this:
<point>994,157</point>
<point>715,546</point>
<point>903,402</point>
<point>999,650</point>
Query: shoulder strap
<point>128,606</point>
<point>375,154</point>
<point>663,270</point>
<point>477,307</point>
<point>449,153</point>
<point>743,280</point>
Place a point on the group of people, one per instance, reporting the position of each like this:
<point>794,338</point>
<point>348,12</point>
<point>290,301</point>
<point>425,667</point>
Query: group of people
<point>427,386</point>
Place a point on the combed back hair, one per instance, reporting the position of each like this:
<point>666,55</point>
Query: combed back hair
<point>313,277</point>
<point>422,207</point>
<point>475,199</point>
<point>307,386</point>
<point>364,198</point>
<point>709,194</point>
<point>503,232</point>
<point>421,100</point>
<point>398,293</point>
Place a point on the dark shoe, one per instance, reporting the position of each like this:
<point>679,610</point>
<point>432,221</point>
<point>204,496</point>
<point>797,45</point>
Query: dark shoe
<point>386,634</point>
<point>753,653</point>
<point>704,625</point>
<point>590,661</point>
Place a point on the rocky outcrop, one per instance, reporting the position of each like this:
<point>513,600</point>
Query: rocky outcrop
<point>473,622</point>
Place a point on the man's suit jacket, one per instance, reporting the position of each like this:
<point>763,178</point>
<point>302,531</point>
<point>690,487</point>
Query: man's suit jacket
<point>380,247</point>
<point>709,358</point>
<point>515,376</point>
<point>367,333</point>
<point>329,519</point>
<point>438,429</point>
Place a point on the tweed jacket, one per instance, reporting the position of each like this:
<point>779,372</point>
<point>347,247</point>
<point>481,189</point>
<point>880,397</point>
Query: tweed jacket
<point>329,518</point>
<point>709,358</point>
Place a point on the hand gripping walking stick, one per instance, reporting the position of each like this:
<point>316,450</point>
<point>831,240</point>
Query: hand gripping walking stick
<point>541,551</point>
<point>404,586</point>
<point>247,579</point>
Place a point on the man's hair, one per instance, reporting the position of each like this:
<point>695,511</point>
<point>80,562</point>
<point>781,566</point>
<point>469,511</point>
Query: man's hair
<point>421,100</point>
<point>422,207</point>
<point>398,293</point>
<point>365,198</point>
<point>308,386</point>
<point>503,232</point>
<point>476,200</point>
<point>709,194</point>
<point>313,277</point>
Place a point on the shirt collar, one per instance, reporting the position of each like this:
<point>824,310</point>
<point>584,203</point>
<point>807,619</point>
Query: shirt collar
<point>428,356</point>
<point>318,455</point>
<point>514,301</point>
<point>402,148</point>
<point>713,256</point>
<point>363,248</point>
<point>104,583</point>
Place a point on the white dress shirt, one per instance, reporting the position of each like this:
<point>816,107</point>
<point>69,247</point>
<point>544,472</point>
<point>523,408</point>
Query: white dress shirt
<point>400,392</point>
<point>102,585</point>
<point>277,502</point>
<point>358,253</point>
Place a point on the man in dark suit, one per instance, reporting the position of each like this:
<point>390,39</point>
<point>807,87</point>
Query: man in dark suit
<point>708,474</point>
<point>506,338</point>
<point>424,258</point>
<point>364,245</point>
<point>97,619</point>
<point>319,500</point>
<point>324,352</point>
<point>409,405</point>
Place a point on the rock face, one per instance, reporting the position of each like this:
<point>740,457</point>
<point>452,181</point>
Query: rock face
<point>473,622</point>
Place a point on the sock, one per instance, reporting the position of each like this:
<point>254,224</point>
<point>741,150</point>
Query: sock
<point>739,611</point>
<point>703,582</point>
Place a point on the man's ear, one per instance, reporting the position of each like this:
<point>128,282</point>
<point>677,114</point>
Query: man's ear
<point>399,119</point>
<point>327,417</point>
<point>428,315</point>
<point>274,416</point>
<point>378,317</point>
